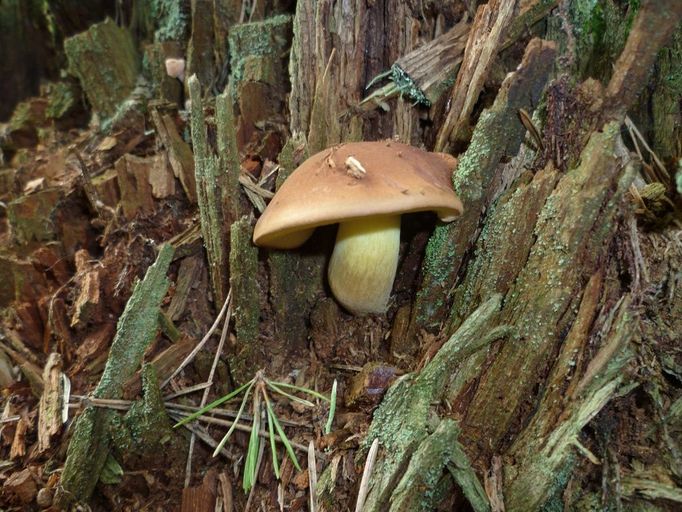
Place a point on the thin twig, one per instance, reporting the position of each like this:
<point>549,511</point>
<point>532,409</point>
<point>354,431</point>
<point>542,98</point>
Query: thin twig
<point>209,382</point>
<point>312,472</point>
<point>201,344</point>
<point>201,434</point>
<point>245,428</point>
<point>187,391</point>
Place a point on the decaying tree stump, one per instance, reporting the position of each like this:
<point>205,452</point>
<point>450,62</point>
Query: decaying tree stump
<point>525,312</point>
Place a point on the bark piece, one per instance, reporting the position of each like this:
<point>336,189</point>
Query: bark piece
<point>201,498</point>
<point>137,327</point>
<point>30,370</point>
<point>258,58</point>
<point>20,281</point>
<point>32,217</point>
<point>209,181</point>
<point>400,422</point>
<point>18,448</point>
<point>296,278</point>
<point>22,129</point>
<point>568,243</point>
<point>188,276</point>
<point>88,307</point>
<point>245,297</point>
<point>424,74</point>
<point>105,61</point>
<point>653,26</point>
<point>179,153</point>
<point>22,486</point>
<point>485,38</point>
<point>233,203</point>
<point>133,180</point>
<point>51,402</point>
<point>546,445</point>
<point>201,43</point>
<point>498,135</point>
<point>95,343</point>
<point>161,177</point>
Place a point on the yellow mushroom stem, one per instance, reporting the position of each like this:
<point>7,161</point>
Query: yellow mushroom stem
<point>364,262</point>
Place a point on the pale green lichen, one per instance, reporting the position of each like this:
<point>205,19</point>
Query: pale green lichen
<point>268,38</point>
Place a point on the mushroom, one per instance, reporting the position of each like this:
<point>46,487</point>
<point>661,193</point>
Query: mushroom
<point>175,68</point>
<point>365,187</point>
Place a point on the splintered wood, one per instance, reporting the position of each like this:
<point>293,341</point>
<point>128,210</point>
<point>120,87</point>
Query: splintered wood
<point>484,42</point>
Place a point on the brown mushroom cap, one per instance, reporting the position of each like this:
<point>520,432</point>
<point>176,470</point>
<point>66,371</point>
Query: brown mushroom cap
<point>355,180</point>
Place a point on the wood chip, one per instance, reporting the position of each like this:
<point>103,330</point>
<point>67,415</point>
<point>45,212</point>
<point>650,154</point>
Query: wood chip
<point>50,407</point>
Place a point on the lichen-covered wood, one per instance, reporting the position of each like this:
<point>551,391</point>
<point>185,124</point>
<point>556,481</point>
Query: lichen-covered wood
<point>402,420</point>
<point>498,135</point>
<point>106,62</point>
<point>245,299</point>
<point>208,180</point>
<point>137,327</point>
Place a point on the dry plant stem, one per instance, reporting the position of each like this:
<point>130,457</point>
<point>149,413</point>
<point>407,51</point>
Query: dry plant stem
<point>201,344</point>
<point>201,434</point>
<point>244,428</point>
<point>186,391</point>
<point>484,42</point>
<point>636,135</point>
<point>209,382</point>
<point>312,472</point>
<point>366,475</point>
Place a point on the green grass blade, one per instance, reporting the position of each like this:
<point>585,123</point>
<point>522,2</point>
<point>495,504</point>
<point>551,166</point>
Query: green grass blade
<point>273,447</point>
<point>251,463</point>
<point>283,436</point>
<point>332,410</point>
<point>301,390</point>
<point>291,397</point>
<point>234,424</point>
<point>213,404</point>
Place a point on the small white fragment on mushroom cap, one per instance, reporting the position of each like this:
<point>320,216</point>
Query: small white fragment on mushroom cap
<point>355,168</point>
<point>175,68</point>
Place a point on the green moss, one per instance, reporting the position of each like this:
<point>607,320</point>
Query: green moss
<point>89,446</point>
<point>245,297</point>
<point>601,28</point>
<point>269,38</point>
<point>31,216</point>
<point>207,168</point>
<point>105,61</point>
<point>171,18</point>
<point>62,98</point>
<point>559,480</point>
<point>137,327</point>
